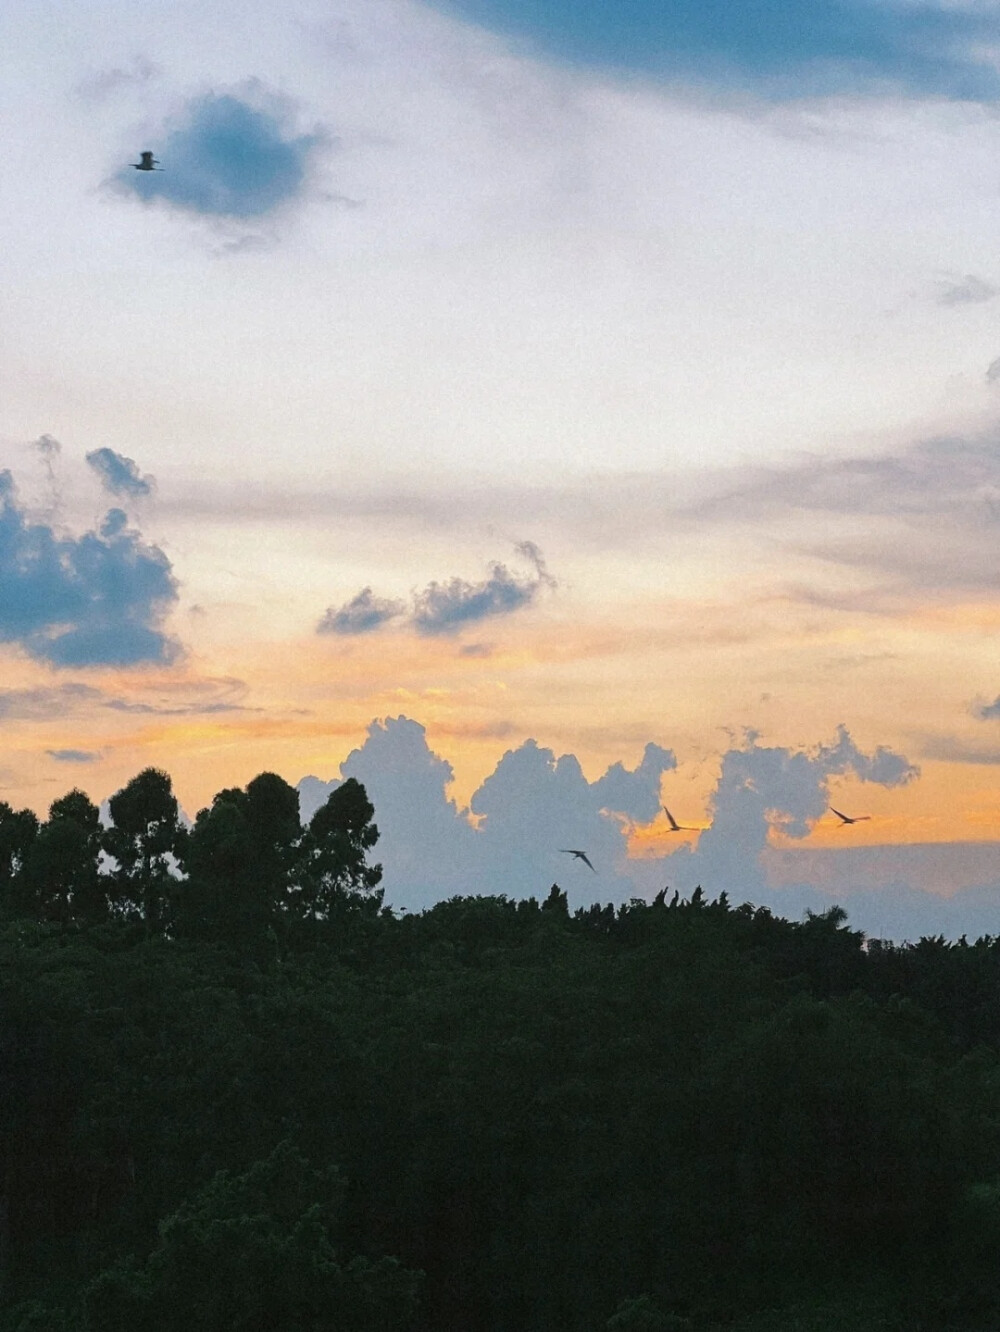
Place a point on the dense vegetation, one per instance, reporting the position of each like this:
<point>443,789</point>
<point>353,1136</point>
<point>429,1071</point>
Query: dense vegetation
<point>239,1095</point>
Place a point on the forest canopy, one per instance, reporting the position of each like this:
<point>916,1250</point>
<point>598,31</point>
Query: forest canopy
<point>241,1093</point>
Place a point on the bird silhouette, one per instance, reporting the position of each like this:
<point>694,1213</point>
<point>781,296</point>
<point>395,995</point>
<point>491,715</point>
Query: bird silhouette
<point>846,818</point>
<point>674,825</point>
<point>147,162</point>
<point>580,855</point>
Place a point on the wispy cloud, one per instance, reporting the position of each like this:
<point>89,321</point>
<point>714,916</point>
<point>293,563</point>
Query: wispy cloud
<point>227,158</point>
<point>989,711</point>
<point>46,702</point>
<point>967,290</point>
<point>93,600</point>
<point>74,755</point>
<point>120,475</point>
<point>184,698</point>
<point>103,83</point>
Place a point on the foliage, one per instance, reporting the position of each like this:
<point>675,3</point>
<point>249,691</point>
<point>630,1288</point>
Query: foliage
<point>239,1093</point>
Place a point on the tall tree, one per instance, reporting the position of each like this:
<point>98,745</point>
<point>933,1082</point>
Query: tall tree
<point>18,830</point>
<point>144,838</point>
<point>62,868</point>
<point>341,833</point>
<point>242,857</point>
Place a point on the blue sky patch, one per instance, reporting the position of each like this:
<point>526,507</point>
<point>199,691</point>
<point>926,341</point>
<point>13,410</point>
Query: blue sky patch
<point>780,47</point>
<point>226,158</point>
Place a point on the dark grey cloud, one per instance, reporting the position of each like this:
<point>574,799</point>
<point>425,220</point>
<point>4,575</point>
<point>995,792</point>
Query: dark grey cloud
<point>447,608</point>
<point>226,158</point>
<point>74,755</point>
<point>443,609</point>
<point>361,615</point>
<point>94,600</point>
<point>120,475</point>
<point>967,290</point>
<point>989,711</point>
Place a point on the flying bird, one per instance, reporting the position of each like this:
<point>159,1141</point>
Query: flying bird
<point>846,818</point>
<point>147,162</point>
<point>580,855</point>
<point>674,825</point>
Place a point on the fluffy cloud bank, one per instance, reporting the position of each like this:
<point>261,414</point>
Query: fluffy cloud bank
<point>510,840</point>
<point>534,805</point>
<point>94,600</point>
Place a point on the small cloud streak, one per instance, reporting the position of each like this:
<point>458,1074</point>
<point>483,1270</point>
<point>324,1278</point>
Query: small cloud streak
<point>989,711</point>
<point>74,755</point>
<point>226,159</point>
<point>967,290</point>
<point>46,702</point>
<point>120,475</point>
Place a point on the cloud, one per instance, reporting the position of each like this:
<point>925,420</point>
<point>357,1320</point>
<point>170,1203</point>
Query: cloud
<point>45,702</point>
<point>780,48</point>
<point>950,749</point>
<point>120,475</point>
<point>921,521</point>
<point>47,446</point>
<point>74,755</point>
<point>989,711</point>
<point>446,608</point>
<point>993,371</point>
<point>360,615</point>
<point>763,788</point>
<point>509,840</point>
<point>228,159</point>
<point>967,290</point>
<point>94,600</point>
<point>102,83</point>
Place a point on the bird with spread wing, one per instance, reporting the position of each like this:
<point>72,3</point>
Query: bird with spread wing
<point>674,825</point>
<point>846,818</point>
<point>580,855</point>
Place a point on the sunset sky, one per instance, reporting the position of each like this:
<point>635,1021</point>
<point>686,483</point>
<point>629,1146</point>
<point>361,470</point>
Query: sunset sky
<point>597,376</point>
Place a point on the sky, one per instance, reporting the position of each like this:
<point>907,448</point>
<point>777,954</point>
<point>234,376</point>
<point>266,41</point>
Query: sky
<point>544,412</point>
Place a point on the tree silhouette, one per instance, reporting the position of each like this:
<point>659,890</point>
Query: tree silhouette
<point>144,837</point>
